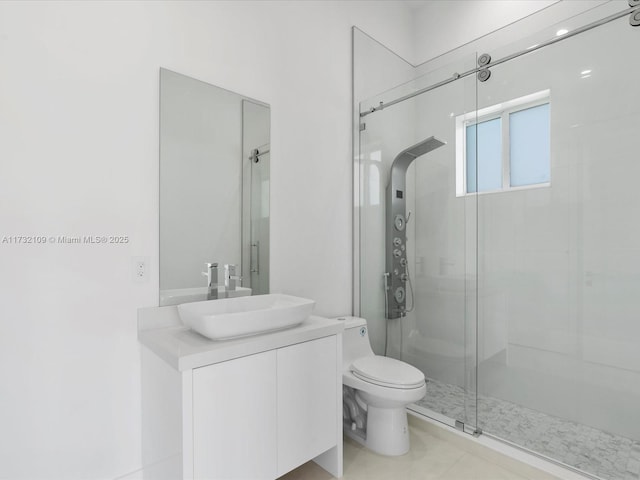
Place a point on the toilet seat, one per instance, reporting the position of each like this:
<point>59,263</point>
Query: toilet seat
<point>387,372</point>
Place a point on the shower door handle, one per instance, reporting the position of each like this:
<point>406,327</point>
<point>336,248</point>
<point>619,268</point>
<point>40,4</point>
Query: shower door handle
<point>255,267</point>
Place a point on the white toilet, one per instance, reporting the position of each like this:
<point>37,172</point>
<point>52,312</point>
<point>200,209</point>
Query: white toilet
<point>376,391</point>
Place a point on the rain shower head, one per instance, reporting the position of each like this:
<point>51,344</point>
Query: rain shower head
<point>404,158</point>
<point>423,147</point>
<point>402,161</point>
<point>397,273</point>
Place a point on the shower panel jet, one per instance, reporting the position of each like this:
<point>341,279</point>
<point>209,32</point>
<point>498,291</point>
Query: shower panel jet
<point>397,273</point>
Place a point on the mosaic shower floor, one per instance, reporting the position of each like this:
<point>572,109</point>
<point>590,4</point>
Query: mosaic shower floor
<point>608,456</point>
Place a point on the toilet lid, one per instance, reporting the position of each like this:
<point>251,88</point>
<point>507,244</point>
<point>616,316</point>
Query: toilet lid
<point>387,372</point>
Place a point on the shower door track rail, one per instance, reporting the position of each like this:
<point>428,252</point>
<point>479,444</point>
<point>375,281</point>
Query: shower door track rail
<point>457,76</point>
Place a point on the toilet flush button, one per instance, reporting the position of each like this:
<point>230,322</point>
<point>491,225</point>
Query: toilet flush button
<point>363,331</point>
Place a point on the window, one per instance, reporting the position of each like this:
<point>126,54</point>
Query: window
<point>505,146</point>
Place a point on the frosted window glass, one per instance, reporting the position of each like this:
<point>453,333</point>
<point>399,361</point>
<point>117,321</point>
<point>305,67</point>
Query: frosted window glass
<point>484,156</point>
<point>530,146</point>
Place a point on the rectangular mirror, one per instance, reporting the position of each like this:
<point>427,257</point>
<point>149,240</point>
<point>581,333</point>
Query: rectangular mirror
<point>214,192</point>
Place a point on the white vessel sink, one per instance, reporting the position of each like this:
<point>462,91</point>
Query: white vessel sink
<point>176,296</point>
<point>238,317</point>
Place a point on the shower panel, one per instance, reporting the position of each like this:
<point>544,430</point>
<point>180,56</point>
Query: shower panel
<point>397,274</point>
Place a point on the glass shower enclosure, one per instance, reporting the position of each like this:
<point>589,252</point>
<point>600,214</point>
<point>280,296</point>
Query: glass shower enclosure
<point>521,234</point>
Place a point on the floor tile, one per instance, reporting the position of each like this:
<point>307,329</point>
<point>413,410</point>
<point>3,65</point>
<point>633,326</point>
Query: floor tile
<point>472,467</point>
<point>430,458</point>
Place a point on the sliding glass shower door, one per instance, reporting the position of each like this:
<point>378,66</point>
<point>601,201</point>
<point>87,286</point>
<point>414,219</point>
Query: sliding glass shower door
<point>559,250</point>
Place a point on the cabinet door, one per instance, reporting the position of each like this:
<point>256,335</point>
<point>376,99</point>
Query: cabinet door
<point>234,419</point>
<point>307,405</point>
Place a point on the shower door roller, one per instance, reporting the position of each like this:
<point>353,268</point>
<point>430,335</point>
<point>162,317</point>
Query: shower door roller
<point>399,294</point>
<point>484,60</point>
<point>484,74</point>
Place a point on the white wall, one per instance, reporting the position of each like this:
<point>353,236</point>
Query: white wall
<point>443,25</point>
<point>79,153</point>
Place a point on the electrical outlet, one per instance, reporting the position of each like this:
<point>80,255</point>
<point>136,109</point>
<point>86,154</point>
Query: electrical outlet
<point>140,269</point>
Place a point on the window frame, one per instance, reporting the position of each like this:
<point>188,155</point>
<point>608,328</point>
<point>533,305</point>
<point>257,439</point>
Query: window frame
<point>502,111</point>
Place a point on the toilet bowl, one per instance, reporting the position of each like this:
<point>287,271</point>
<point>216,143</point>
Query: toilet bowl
<point>376,391</point>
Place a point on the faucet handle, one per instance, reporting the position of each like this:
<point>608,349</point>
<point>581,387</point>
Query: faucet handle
<point>230,276</point>
<point>211,274</point>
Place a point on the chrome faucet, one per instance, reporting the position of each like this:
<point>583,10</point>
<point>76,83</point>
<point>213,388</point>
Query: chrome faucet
<point>230,277</point>
<point>212,280</point>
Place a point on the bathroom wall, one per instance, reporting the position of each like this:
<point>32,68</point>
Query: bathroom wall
<point>443,25</point>
<point>79,156</point>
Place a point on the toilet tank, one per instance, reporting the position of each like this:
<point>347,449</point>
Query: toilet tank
<point>355,340</point>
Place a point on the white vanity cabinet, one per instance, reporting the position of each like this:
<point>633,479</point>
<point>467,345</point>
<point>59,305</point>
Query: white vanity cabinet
<point>307,409</point>
<point>234,418</point>
<point>275,404</point>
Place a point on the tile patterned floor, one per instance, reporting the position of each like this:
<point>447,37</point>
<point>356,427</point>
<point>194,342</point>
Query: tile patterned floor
<point>608,456</point>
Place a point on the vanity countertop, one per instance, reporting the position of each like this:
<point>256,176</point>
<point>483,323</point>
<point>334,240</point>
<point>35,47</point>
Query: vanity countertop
<point>160,330</point>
